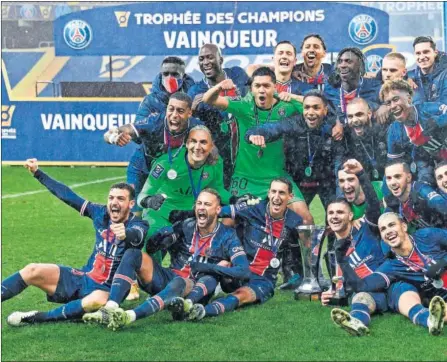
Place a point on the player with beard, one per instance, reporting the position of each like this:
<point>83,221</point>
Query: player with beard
<point>201,246</point>
<point>441,179</point>
<point>117,230</point>
<point>419,259</point>
<point>417,203</point>
<point>221,124</point>
<point>171,79</point>
<point>267,229</point>
<point>430,75</point>
<point>368,140</point>
<point>312,73</point>
<point>256,166</point>
<point>347,83</point>
<point>415,136</point>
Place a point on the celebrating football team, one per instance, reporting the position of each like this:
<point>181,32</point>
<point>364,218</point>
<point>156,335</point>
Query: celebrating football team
<point>216,206</point>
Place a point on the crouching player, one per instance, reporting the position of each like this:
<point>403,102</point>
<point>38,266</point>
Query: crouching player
<point>197,247</point>
<point>267,228</point>
<point>419,259</point>
<point>83,290</point>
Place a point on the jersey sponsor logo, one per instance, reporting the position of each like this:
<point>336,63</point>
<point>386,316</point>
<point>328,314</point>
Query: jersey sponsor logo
<point>363,29</point>
<point>77,34</point>
<point>157,171</point>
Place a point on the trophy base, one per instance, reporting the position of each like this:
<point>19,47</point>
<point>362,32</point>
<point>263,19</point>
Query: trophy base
<point>339,301</point>
<point>312,297</point>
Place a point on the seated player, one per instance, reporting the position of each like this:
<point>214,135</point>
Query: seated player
<point>203,243</point>
<point>430,75</point>
<point>80,290</point>
<point>267,229</point>
<point>221,124</point>
<point>415,137</point>
<point>255,167</point>
<point>312,72</point>
<point>419,260</point>
<point>417,203</point>
<point>176,180</point>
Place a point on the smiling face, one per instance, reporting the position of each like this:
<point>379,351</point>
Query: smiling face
<point>349,184</point>
<point>210,61</point>
<point>399,102</point>
<point>263,89</point>
<point>207,208</point>
<point>441,178</point>
<point>393,69</point>
<point>199,146</point>
<point>313,52</point>
<point>397,179</point>
<point>177,115</point>
<point>339,217</point>
<point>392,230</point>
<point>278,196</point>
<point>425,57</point>
<point>284,58</point>
<point>314,111</point>
<point>119,205</point>
<point>359,117</point>
<point>348,66</point>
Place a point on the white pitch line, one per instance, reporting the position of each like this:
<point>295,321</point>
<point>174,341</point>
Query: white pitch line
<point>71,186</point>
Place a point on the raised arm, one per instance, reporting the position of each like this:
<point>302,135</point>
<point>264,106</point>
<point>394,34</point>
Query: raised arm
<point>213,98</point>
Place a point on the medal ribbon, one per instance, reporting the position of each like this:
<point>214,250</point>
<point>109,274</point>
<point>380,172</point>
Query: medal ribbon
<point>343,101</point>
<point>269,226</point>
<point>197,238</point>
<point>195,191</point>
<point>310,156</point>
<point>415,267</point>
<point>372,159</point>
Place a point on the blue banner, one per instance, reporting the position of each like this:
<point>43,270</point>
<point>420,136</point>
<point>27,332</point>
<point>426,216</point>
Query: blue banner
<point>181,28</point>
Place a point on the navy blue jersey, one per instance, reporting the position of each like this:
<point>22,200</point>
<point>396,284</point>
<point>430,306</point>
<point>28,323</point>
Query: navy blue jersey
<point>107,251</point>
<point>264,238</point>
<point>188,246</point>
<point>368,89</point>
<point>316,82</point>
<point>424,208</point>
<point>154,134</point>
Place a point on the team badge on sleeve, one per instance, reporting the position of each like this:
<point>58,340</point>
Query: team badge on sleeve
<point>157,171</point>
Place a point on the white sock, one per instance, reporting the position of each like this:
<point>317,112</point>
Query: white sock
<point>112,305</point>
<point>132,315</point>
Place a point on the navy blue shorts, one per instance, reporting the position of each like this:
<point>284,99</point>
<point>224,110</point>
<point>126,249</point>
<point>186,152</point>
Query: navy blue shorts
<point>262,287</point>
<point>160,279</point>
<point>137,173</point>
<point>380,299</point>
<point>74,284</point>
<point>395,291</point>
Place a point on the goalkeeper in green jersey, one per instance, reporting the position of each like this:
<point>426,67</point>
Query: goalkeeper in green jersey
<point>176,180</point>
<point>256,166</point>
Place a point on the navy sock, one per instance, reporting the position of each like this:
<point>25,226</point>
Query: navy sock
<point>69,311</point>
<point>361,312</point>
<point>12,286</point>
<point>122,281</point>
<point>221,306</point>
<point>419,315</point>
<point>156,303</point>
<point>205,285</point>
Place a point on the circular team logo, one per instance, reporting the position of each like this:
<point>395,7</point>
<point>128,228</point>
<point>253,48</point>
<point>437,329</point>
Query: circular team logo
<point>77,34</point>
<point>374,63</point>
<point>363,29</point>
<point>28,11</point>
<point>282,112</point>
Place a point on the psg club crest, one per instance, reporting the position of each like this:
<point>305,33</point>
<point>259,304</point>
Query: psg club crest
<point>28,11</point>
<point>77,34</point>
<point>374,63</point>
<point>363,29</point>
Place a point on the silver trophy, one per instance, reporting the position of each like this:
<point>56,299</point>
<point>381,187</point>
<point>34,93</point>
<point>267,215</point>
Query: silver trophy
<point>311,238</point>
<point>340,297</point>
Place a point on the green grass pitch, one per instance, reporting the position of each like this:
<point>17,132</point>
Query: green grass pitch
<point>40,228</point>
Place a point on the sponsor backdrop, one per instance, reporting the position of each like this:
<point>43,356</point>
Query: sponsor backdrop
<point>70,130</point>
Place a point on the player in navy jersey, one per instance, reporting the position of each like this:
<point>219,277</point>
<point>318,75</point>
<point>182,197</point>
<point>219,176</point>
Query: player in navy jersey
<point>312,72</point>
<point>419,259</point>
<point>83,290</point>
<point>198,246</point>
<point>347,83</point>
<point>221,124</point>
<point>416,137</point>
<point>267,229</point>
<point>418,203</point>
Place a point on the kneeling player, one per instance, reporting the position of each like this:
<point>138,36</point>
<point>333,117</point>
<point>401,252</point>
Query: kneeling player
<point>206,243</point>
<point>267,228</point>
<point>83,290</point>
